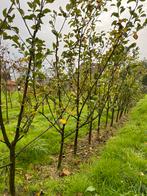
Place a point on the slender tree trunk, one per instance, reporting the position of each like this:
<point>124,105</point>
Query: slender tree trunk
<point>90,98</point>
<point>112,117</point>
<point>7,109</point>
<point>58,74</point>
<point>107,115</point>
<point>43,105</point>
<point>78,101</point>
<point>2,125</point>
<point>117,116</point>
<point>121,113</point>
<point>12,171</point>
<point>61,149</point>
<point>76,136</point>
<point>99,124</point>
<point>90,131</point>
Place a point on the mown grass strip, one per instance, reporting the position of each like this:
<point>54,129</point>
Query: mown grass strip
<point>122,168</point>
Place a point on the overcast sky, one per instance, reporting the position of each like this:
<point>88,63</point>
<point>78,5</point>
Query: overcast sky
<point>142,40</point>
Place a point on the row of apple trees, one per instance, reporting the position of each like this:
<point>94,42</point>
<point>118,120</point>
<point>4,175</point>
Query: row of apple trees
<point>83,74</point>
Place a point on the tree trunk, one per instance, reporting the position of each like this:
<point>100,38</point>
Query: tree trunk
<point>61,150</point>
<point>43,105</point>
<point>76,137</point>
<point>7,109</point>
<point>121,113</point>
<point>99,124</point>
<point>12,171</point>
<point>107,115</point>
<point>112,117</point>
<point>90,131</point>
<point>117,116</point>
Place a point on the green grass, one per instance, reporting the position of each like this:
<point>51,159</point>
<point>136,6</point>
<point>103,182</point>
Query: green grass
<point>42,150</point>
<point>122,168</point>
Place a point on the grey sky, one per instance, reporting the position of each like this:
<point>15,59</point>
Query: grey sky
<point>141,42</point>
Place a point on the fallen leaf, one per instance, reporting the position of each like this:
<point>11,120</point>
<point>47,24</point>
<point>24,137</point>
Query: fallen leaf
<point>28,177</point>
<point>64,172</point>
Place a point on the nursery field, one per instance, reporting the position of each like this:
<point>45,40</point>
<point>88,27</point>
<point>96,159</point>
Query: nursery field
<point>73,120</point>
<point>38,151</point>
<point>122,166</point>
<point>117,168</point>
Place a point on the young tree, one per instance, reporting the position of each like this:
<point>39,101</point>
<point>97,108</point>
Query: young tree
<point>31,48</point>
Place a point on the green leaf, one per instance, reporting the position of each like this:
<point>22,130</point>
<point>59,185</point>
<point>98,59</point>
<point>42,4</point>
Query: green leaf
<point>15,29</point>
<point>37,2</point>
<point>122,9</point>
<point>45,11</point>
<point>68,7</point>
<point>118,3</point>
<point>30,4</point>
<point>115,14</point>
<point>50,1</point>
<point>131,1</point>
<point>62,12</point>
<point>55,32</point>
<point>132,45</point>
<point>30,17</point>
<point>15,38</point>
<point>21,11</point>
<point>5,12</point>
